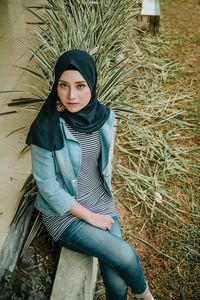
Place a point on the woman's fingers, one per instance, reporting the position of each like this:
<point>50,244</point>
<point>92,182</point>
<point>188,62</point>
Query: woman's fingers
<point>110,222</point>
<point>104,222</point>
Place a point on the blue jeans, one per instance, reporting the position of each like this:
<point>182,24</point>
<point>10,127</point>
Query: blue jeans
<point>119,264</point>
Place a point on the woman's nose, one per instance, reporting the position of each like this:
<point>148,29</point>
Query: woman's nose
<point>72,93</point>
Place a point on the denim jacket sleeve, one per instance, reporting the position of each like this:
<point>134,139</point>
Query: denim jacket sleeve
<point>51,190</point>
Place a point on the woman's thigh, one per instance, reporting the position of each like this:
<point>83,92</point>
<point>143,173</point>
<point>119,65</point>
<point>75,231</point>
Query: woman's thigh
<point>103,244</point>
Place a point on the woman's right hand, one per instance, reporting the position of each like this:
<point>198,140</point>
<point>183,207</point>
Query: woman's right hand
<point>101,221</point>
<point>104,222</point>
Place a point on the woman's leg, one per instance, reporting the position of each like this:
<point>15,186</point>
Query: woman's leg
<point>110,249</point>
<point>116,287</point>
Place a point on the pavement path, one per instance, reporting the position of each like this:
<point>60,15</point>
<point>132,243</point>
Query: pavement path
<point>13,169</point>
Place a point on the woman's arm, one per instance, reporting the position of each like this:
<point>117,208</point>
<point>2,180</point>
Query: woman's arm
<point>43,169</point>
<point>101,221</point>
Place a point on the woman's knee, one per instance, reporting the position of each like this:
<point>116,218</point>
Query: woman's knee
<point>128,256</point>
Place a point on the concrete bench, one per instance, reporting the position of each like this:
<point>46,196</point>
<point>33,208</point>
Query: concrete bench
<point>150,14</point>
<point>75,277</point>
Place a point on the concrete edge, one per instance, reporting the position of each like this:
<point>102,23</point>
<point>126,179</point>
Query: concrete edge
<point>75,277</point>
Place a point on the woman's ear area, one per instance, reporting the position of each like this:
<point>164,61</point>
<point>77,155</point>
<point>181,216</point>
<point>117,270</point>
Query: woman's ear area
<point>59,106</point>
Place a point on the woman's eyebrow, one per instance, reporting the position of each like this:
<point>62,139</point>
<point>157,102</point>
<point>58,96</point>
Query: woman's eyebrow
<point>83,81</point>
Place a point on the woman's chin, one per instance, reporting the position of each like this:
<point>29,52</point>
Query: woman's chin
<point>73,107</point>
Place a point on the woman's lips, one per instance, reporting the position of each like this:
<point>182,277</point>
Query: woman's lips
<point>72,104</point>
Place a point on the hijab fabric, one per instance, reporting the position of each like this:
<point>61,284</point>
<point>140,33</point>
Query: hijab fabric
<point>45,131</point>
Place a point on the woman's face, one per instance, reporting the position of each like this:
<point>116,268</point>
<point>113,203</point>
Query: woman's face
<point>73,91</point>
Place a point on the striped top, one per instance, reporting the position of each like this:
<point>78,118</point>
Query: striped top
<point>91,193</point>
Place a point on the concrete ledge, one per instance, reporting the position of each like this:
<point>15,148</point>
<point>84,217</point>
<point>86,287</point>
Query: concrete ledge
<point>10,251</point>
<point>75,278</point>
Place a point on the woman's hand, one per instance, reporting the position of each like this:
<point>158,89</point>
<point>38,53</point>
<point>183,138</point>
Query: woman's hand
<point>101,221</point>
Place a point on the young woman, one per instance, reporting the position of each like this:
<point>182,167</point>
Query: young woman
<point>71,144</point>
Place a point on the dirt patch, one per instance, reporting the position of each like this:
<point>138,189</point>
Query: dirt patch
<point>180,23</point>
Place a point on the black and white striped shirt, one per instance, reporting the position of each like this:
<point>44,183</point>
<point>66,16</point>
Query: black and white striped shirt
<point>91,193</point>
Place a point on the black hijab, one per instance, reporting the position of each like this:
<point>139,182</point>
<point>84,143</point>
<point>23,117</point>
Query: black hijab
<point>45,131</point>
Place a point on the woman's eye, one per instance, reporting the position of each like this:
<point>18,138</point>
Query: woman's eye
<point>63,85</point>
<point>80,86</point>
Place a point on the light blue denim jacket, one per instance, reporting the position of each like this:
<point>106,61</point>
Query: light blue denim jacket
<point>56,172</point>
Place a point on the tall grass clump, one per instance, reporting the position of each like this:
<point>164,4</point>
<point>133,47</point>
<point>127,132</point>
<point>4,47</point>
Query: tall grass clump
<point>150,158</point>
<point>163,156</point>
<point>97,28</point>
